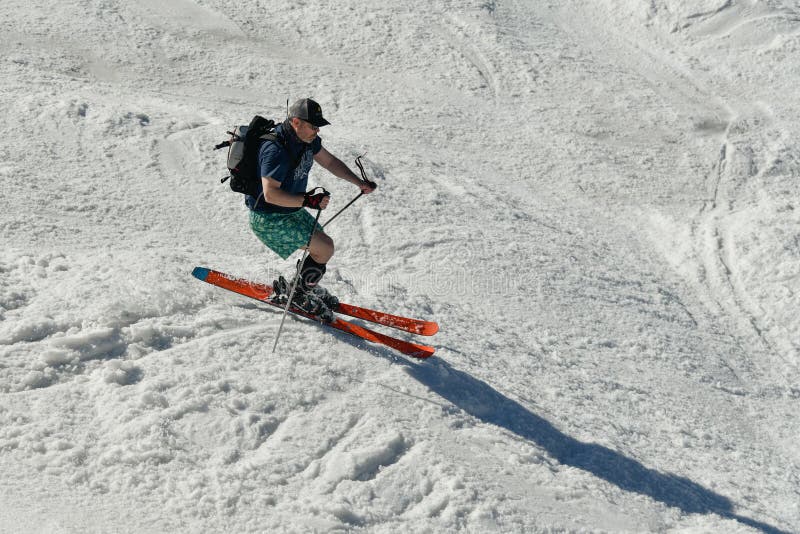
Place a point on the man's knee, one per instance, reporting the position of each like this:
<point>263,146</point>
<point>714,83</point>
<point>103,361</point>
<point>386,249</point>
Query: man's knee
<point>321,247</point>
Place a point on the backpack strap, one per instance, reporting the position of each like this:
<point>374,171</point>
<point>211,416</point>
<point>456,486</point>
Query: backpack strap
<point>277,139</point>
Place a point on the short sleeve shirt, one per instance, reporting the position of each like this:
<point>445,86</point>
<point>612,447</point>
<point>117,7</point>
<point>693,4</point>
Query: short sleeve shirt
<point>288,164</point>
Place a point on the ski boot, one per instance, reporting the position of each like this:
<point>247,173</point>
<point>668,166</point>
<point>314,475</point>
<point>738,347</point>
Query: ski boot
<point>331,301</point>
<point>308,301</point>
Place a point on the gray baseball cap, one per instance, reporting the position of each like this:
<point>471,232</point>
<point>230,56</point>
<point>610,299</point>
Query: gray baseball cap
<point>309,111</point>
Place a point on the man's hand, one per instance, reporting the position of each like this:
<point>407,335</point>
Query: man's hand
<point>316,202</point>
<point>367,187</point>
<point>335,166</point>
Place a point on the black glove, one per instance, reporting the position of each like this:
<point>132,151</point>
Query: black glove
<point>314,200</point>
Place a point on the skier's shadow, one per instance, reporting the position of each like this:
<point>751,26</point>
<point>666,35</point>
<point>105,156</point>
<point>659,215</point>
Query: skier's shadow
<point>480,400</point>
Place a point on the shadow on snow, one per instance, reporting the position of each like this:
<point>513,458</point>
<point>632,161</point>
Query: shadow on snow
<point>480,400</point>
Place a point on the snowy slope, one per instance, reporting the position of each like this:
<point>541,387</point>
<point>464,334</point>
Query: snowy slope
<point>595,200</point>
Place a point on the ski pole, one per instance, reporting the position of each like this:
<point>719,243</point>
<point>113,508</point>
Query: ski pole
<point>364,179</point>
<point>297,275</point>
<point>341,210</point>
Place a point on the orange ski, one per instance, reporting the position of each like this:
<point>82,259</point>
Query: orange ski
<point>263,293</point>
<point>415,326</point>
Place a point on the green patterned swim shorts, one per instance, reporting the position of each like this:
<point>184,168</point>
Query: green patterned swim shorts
<point>283,232</point>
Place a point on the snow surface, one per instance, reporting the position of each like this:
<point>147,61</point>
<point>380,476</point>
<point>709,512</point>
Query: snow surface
<point>597,201</point>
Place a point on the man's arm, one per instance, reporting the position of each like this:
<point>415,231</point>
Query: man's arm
<point>275,195</point>
<point>337,167</point>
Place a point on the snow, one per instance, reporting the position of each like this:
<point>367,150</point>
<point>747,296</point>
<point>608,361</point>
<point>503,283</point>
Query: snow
<point>595,200</point>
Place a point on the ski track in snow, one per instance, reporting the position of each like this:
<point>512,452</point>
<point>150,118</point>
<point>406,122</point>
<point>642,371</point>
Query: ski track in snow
<point>595,200</point>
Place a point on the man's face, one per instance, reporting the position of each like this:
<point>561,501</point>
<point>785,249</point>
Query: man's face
<point>306,131</point>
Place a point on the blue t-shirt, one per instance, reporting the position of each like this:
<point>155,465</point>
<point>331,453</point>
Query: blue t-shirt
<point>276,161</point>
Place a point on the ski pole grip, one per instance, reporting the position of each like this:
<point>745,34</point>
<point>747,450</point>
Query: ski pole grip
<point>313,200</point>
<point>325,192</point>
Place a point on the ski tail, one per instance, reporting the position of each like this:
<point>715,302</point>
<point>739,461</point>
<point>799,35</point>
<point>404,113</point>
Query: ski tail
<point>237,285</point>
<point>201,273</point>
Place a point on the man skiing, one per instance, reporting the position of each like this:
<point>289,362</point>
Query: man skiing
<point>277,216</point>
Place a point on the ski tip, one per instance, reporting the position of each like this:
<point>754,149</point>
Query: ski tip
<point>422,352</point>
<point>430,329</point>
<point>201,273</point>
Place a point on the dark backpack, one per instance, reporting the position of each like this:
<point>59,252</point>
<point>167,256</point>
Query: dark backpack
<point>243,154</point>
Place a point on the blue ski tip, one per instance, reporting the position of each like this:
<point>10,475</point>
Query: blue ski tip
<point>201,273</point>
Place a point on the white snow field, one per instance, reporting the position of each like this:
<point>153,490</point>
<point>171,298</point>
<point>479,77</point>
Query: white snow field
<point>597,201</point>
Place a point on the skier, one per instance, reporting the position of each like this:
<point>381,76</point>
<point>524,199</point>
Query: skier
<point>277,216</point>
